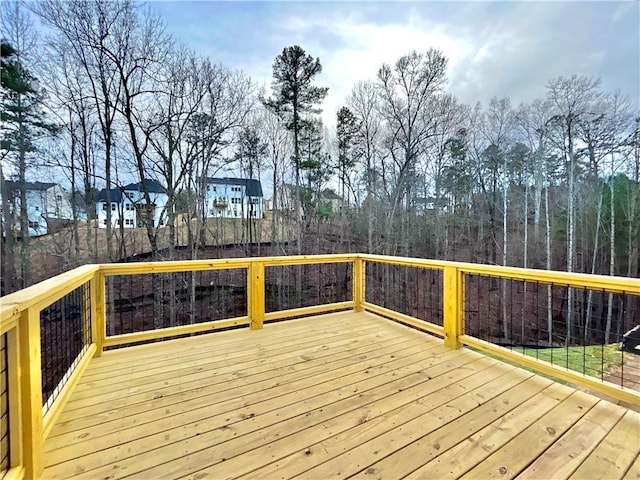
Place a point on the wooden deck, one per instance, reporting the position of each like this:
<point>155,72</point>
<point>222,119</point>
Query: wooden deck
<point>338,395</point>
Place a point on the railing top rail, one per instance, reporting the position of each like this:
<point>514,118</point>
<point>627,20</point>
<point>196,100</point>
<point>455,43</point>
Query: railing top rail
<point>172,266</point>
<point>45,292</point>
<point>218,263</point>
<point>579,280</point>
<point>307,259</point>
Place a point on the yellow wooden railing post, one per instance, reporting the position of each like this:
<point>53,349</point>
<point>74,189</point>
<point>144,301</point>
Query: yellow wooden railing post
<point>16,458</point>
<point>358,284</point>
<point>98,311</point>
<point>453,306</point>
<point>31,393</point>
<point>255,283</point>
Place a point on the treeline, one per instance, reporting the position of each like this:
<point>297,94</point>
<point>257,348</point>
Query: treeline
<point>108,97</point>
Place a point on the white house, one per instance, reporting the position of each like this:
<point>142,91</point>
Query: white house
<point>332,198</point>
<point>128,205</point>
<point>234,198</point>
<point>46,203</point>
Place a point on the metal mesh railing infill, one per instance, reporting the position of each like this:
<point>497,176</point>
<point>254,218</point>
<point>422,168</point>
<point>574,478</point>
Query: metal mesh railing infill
<point>296,286</point>
<point>144,302</point>
<point>65,334</point>
<point>580,329</point>
<point>5,439</point>
<point>412,290</point>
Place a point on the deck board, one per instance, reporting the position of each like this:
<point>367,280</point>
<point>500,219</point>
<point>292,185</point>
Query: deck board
<point>336,395</point>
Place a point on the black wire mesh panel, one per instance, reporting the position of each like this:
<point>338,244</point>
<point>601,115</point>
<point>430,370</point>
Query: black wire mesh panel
<point>4,407</point>
<point>65,332</point>
<point>296,286</point>
<point>137,303</point>
<point>414,291</point>
<point>580,329</point>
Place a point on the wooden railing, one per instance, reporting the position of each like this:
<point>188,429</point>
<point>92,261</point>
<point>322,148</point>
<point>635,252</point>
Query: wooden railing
<point>435,296</point>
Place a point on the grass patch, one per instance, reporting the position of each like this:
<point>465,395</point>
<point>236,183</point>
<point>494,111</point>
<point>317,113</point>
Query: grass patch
<point>594,360</point>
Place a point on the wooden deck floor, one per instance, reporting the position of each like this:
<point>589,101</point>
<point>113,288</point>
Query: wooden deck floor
<point>338,395</point>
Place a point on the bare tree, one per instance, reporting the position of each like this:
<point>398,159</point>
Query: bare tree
<point>363,102</point>
<point>229,97</point>
<point>407,93</point>
<point>278,139</point>
<point>88,30</point>
<point>571,99</point>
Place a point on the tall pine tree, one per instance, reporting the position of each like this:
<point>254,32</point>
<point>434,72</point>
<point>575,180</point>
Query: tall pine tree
<point>23,123</point>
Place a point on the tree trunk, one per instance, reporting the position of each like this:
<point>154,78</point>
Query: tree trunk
<point>548,264</point>
<point>25,260</point>
<point>612,256</point>
<point>587,322</point>
<point>505,323</point>
<point>571,240</point>
<point>9,244</point>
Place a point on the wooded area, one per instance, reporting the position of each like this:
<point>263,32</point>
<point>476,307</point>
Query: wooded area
<point>107,97</point>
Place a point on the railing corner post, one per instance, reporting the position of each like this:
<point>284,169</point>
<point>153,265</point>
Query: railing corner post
<point>256,294</point>
<point>453,307</point>
<point>98,311</point>
<point>358,284</point>
<point>31,393</point>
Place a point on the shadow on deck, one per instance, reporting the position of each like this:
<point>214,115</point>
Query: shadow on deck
<point>336,395</point>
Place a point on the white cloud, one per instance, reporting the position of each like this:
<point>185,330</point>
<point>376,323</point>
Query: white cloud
<point>494,48</point>
<point>365,46</point>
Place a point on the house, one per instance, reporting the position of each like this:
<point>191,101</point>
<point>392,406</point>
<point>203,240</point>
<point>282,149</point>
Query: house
<point>328,196</point>
<point>129,206</point>
<point>428,204</point>
<point>234,198</point>
<point>286,195</point>
<point>47,204</point>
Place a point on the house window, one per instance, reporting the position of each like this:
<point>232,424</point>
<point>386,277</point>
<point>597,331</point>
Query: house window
<point>236,189</point>
<point>34,225</point>
<point>58,198</point>
<point>255,201</point>
<point>128,206</point>
<point>213,188</point>
<point>37,209</point>
<point>113,207</point>
<point>236,200</point>
<point>128,221</point>
<point>208,188</point>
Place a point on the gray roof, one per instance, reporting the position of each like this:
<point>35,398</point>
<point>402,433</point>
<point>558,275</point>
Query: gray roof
<point>152,186</point>
<point>11,185</point>
<point>329,194</point>
<point>115,195</point>
<point>253,187</point>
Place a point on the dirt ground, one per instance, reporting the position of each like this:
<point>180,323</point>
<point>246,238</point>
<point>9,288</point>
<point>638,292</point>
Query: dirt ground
<point>630,373</point>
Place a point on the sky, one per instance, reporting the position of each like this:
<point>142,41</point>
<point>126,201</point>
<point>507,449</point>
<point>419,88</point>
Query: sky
<point>496,49</point>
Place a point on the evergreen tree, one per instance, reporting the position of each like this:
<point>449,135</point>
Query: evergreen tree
<point>347,128</point>
<point>293,93</point>
<point>23,123</point>
<point>293,96</point>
